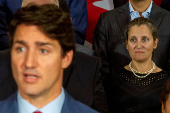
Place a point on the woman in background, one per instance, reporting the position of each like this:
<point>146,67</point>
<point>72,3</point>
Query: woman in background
<point>136,87</point>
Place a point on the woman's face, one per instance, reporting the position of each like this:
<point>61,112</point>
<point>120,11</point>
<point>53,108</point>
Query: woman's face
<point>140,43</point>
<point>166,107</point>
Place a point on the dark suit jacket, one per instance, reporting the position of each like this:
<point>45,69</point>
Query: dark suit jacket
<point>70,105</point>
<point>7,10</point>
<point>165,4</point>
<point>84,49</point>
<point>118,3</point>
<point>82,80</point>
<point>109,37</point>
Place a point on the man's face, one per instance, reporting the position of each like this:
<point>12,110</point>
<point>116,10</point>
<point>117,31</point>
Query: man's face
<point>37,62</point>
<point>38,2</point>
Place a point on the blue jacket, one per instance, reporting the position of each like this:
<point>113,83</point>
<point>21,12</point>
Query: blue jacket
<point>7,9</point>
<point>70,105</point>
<point>78,13</point>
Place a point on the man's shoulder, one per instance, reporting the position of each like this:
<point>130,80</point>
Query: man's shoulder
<point>84,49</point>
<point>158,9</point>
<point>73,106</point>
<point>88,61</point>
<point>83,65</point>
<point>88,67</point>
<point>82,108</point>
<point>116,11</point>
<point>167,13</point>
<point>9,105</point>
<point>78,56</point>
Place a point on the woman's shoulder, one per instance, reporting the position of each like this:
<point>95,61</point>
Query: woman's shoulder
<point>163,72</point>
<point>161,75</point>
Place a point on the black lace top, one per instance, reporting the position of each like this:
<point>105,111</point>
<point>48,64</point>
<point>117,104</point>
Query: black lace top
<point>127,93</point>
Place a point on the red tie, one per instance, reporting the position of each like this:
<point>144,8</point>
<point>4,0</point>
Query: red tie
<point>37,112</point>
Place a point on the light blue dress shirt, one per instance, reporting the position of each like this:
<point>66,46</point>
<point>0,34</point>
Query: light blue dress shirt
<point>134,14</point>
<point>53,107</point>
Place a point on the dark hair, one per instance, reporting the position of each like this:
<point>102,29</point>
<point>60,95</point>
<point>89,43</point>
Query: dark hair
<point>63,5</point>
<point>165,92</point>
<point>142,21</point>
<point>51,20</point>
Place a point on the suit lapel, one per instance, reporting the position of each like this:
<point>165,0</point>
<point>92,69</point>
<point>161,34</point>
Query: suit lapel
<point>13,108</point>
<point>68,103</point>
<point>12,104</point>
<point>123,18</point>
<point>156,15</point>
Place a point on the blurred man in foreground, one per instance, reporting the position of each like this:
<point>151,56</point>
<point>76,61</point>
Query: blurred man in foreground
<point>40,49</point>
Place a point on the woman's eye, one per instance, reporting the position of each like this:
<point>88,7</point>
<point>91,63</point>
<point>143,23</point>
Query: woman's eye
<point>44,51</point>
<point>132,40</point>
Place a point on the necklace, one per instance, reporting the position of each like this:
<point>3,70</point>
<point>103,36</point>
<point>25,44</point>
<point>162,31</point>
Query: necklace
<point>149,72</point>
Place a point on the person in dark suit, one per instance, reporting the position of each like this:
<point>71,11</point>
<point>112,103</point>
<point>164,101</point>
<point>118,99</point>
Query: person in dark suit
<point>83,81</point>
<point>109,34</point>
<point>84,49</point>
<point>7,83</point>
<point>118,3</point>
<point>40,50</point>
<point>165,4</point>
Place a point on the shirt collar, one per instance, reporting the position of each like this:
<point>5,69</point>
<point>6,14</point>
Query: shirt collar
<point>54,106</point>
<point>147,11</point>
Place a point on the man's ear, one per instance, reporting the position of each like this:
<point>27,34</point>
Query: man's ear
<point>67,59</point>
<point>156,43</point>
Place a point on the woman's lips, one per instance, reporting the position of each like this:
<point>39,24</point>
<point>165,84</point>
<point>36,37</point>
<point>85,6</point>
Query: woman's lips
<point>139,52</point>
